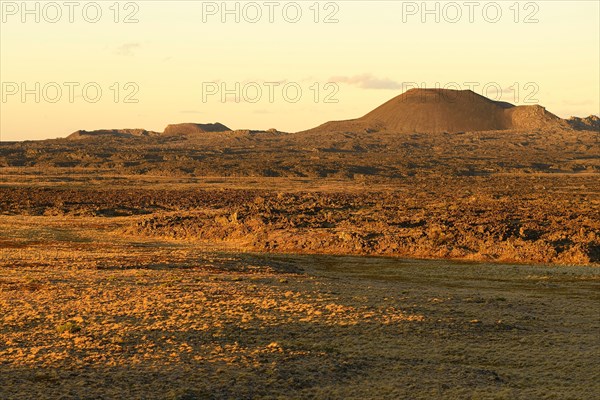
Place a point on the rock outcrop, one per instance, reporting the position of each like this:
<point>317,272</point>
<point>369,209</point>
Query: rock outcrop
<point>591,123</point>
<point>192,128</point>
<point>122,133</point>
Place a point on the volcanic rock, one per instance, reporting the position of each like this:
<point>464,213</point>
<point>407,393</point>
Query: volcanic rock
<point>122,133</point>
<point>591,123</point>
<point>192,128</point>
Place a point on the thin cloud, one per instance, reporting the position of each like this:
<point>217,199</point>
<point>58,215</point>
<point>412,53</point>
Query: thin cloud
<point>583,102</point>
<point>127,49</point>
<point>367,81</point>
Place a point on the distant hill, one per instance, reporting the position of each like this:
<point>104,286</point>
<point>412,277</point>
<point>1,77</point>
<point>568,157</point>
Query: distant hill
<point>192,128</point>
<point>450,111</point>
<point>125,133</point>
<point>415,111</point>
<point>591,123</point>
<point>170,130</point>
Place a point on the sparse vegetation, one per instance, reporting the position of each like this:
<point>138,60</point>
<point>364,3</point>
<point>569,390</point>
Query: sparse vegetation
<point>171,320</point>
<point>68,327</point>
<point>495,219</point>
<point>126,268</point>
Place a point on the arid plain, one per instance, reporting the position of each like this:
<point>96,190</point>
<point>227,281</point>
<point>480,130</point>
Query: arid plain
<point>392,256</point>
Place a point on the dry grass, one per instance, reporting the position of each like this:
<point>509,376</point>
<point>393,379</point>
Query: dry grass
<point>87,314</point>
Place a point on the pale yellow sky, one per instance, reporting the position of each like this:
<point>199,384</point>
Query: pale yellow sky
<point>177,51</point>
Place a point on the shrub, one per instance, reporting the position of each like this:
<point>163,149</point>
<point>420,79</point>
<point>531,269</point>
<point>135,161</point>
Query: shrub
<point>70,327</point>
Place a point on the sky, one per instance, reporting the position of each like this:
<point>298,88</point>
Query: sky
<point>288,65</point>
